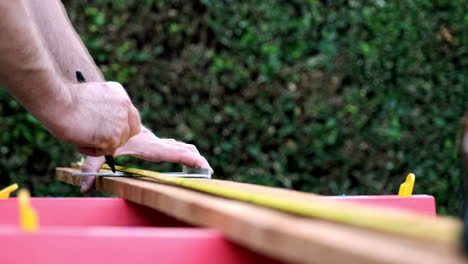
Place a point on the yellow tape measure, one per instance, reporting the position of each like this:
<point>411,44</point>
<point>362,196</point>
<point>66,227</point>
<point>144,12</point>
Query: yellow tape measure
<point>363,216</point>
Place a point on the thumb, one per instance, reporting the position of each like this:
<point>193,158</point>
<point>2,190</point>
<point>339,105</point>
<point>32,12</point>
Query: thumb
<point>92,164</point>
<point>134,121</point>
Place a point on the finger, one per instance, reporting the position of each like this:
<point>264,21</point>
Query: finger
<point>134,121</point>
<point>124,137</point>
<point>189,147</point>
<point>110,146</point>
<point>177,154</point>
<point>209,167</point>
<point>168,140</point>
<point>159,150</point>
<point>92,164</point>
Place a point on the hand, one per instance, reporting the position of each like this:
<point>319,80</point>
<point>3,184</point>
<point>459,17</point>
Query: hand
<point>149,147</point>
<point>99,119</point>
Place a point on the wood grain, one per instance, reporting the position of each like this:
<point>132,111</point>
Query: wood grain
<point>366,216</point>
<point>237,185</point>
<point>276,234</point>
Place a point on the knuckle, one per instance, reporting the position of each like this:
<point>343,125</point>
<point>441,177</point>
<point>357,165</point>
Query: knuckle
<point>104,144</point>
<point>115,142</point>
<point>183,154</point>
<point>156,157</point>
<point>125,102</point>
<point>192,147</point>
<point>185,151</point>
<point>115,85</point>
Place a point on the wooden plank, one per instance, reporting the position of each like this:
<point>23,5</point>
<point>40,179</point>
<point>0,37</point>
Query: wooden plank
<point>244,186</point>
<point>394,221</point>
<point>239,186</point>
<point>276,234</point>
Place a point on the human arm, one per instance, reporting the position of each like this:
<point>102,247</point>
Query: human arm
<point>95,117</point>
<point>60,38</point>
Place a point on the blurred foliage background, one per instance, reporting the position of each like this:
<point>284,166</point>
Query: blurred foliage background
<point>329,97</point>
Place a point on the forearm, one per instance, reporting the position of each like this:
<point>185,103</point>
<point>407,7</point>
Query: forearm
<point>27,69</point>
<point>62,41</point>
<point>96,117</point>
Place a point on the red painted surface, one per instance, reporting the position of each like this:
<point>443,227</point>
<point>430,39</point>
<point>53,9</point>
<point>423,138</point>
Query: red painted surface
<point>88,212</point>
<point>421,204</point>
<point>112,230</point>
<point>121,245</point>
<point>119,212</point>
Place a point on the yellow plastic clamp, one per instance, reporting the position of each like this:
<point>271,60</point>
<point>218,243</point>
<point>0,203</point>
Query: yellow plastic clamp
<point>406,188</point>
<point>28,216</point>
<point>5,193</point>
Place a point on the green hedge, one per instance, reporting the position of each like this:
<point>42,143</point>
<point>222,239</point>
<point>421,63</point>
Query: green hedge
<point>330,97</point>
